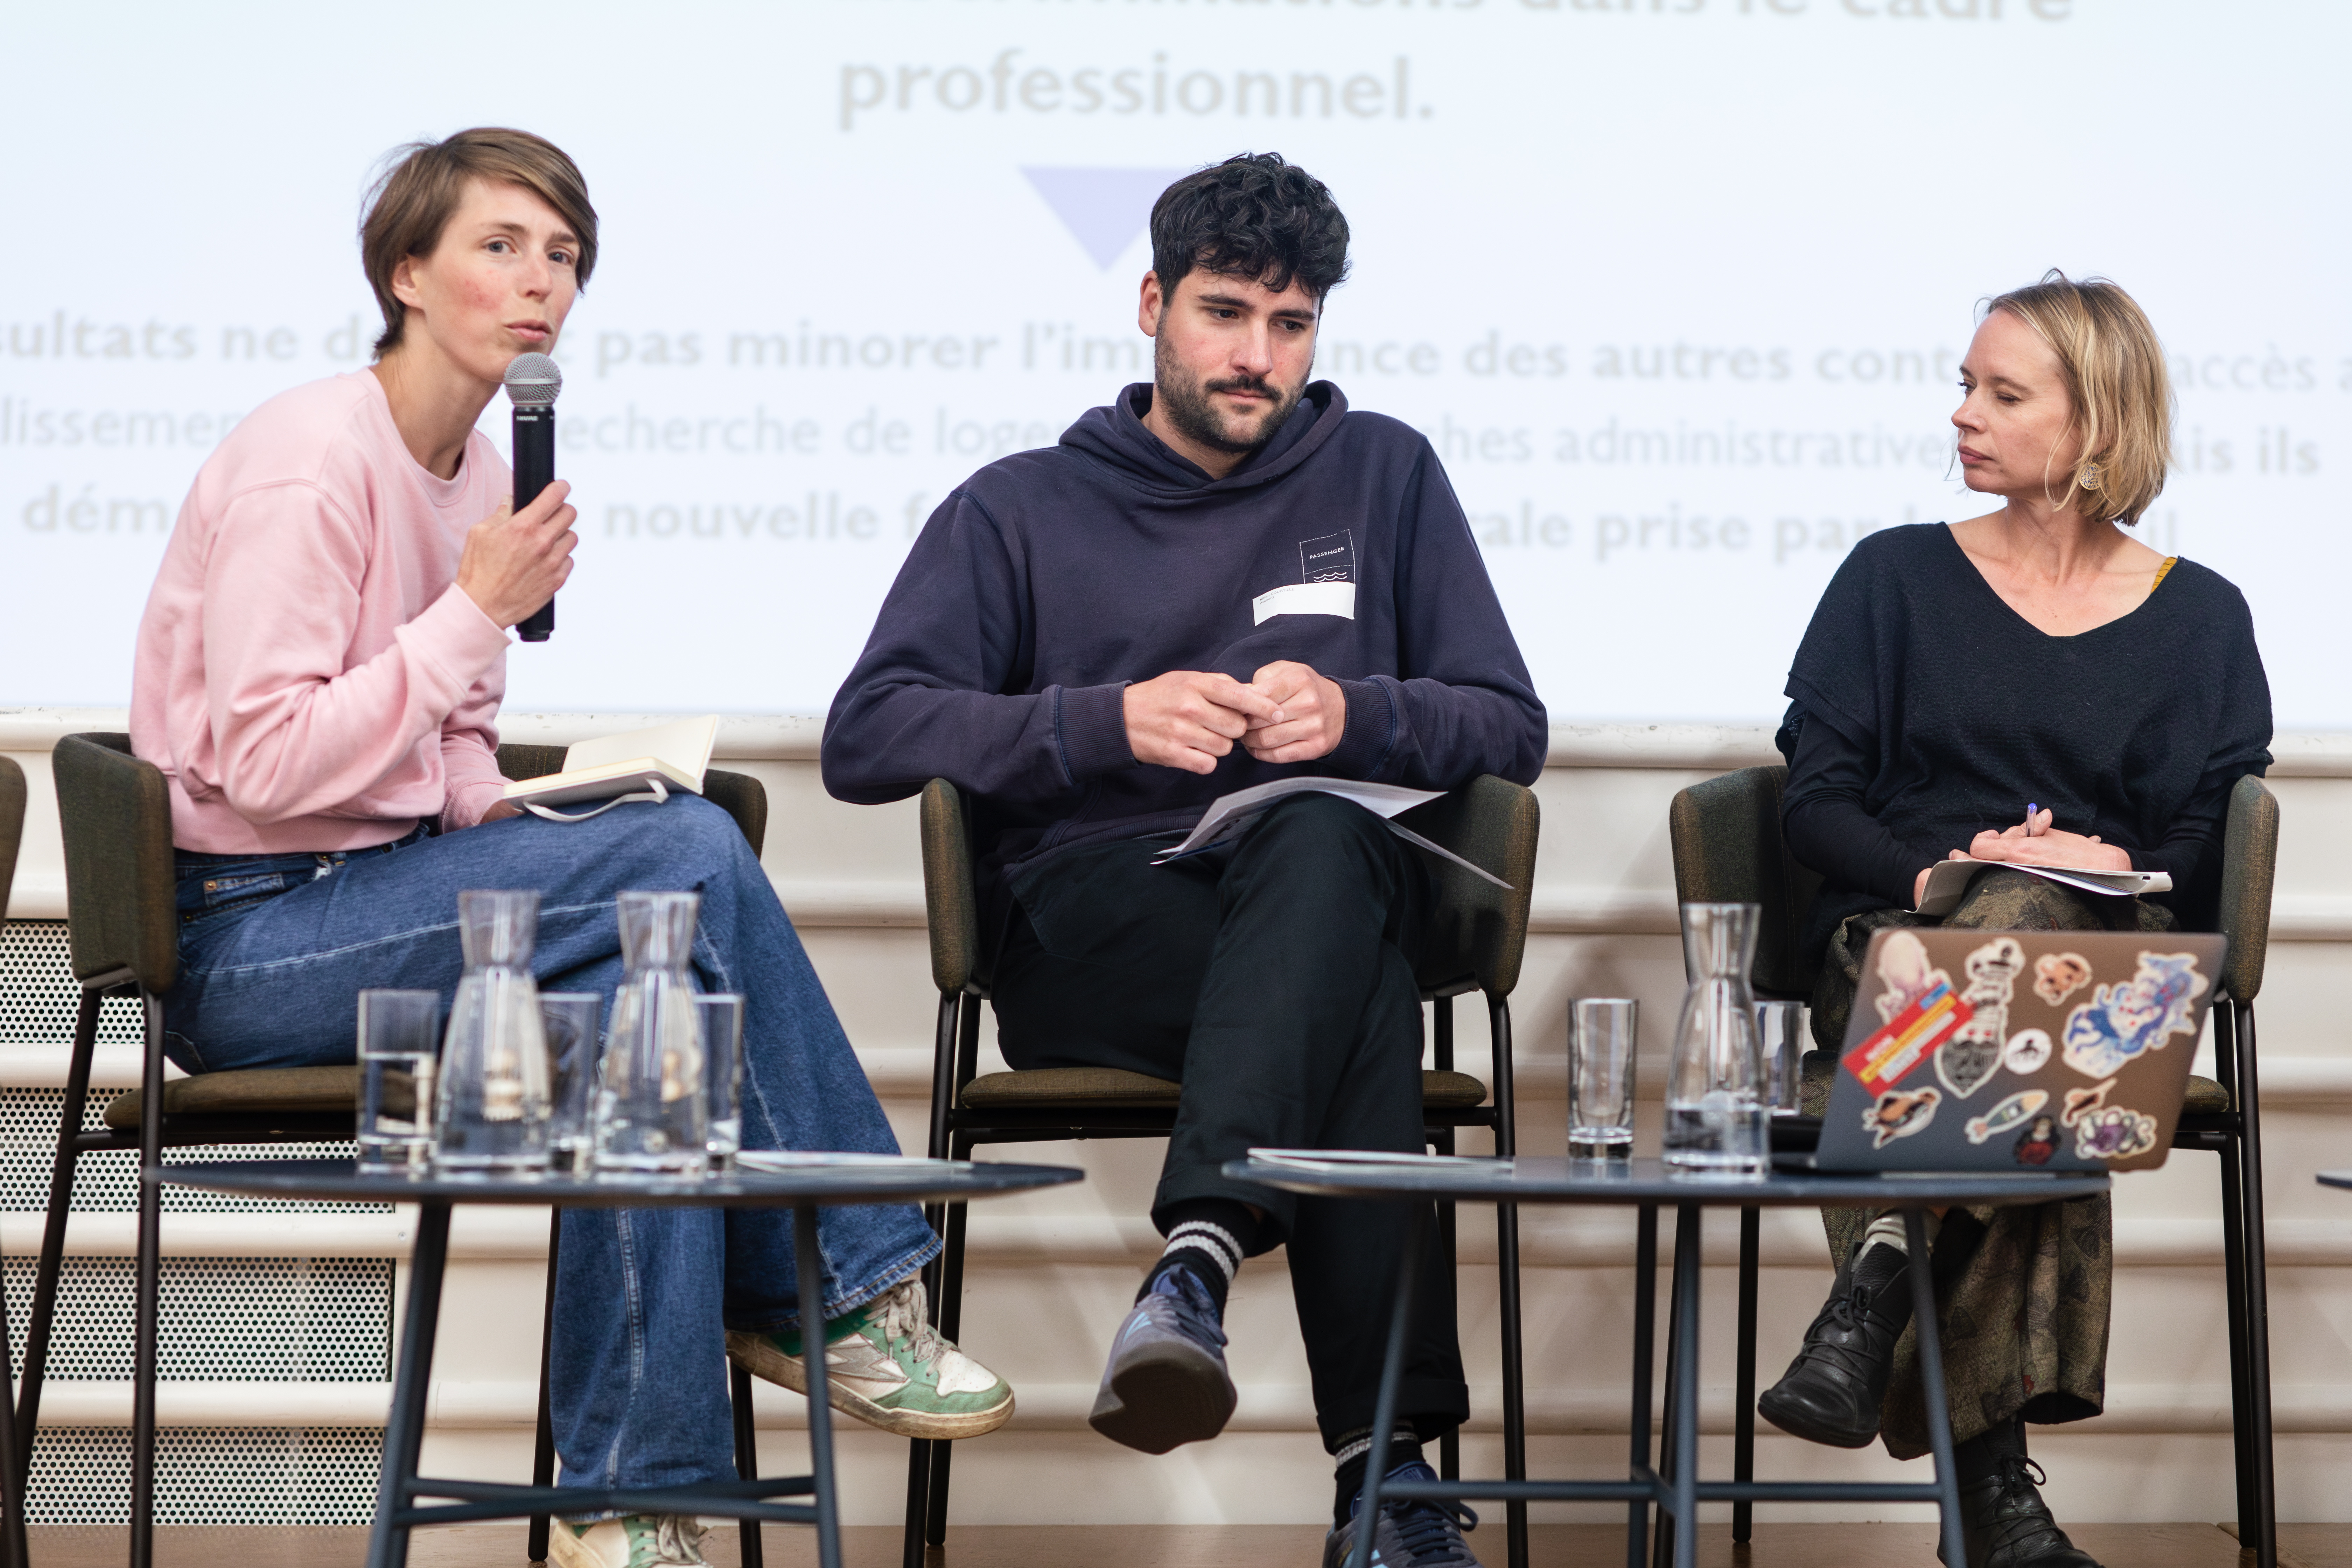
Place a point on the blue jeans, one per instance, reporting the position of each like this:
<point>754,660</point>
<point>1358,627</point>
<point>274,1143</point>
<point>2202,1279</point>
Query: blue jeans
<point>275,950</point>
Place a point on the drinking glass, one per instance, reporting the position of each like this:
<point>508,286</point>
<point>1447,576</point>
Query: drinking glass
<point>1717,1119</point>
<point>1601,1077</point>
<point>494,1098</point>
<point>652,1106</point>
<point>722,1064</point>
<point>569,1021</point>
<point>399,1032</point>
<point>1781,1040</point>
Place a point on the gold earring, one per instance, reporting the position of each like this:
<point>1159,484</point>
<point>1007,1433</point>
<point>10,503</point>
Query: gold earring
<point>2089,478</point>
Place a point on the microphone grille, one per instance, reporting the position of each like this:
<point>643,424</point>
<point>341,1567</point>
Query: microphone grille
<point>533,379</point>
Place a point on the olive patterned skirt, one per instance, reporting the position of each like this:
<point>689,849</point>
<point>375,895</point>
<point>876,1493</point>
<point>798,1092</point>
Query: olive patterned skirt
<point>2023,1293</point>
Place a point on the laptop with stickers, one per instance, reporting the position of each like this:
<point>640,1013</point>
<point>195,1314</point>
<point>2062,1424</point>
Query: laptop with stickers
<point>1977,1050</point>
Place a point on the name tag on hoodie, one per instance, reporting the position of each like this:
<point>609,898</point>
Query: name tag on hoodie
<point>1306,599</point>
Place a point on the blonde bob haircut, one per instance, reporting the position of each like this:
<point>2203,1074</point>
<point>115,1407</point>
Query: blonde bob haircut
<point>414,201</point>
<point>2116,380</point>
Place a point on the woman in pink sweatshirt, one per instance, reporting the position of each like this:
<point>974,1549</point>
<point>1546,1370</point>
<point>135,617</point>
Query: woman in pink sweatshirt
<point>317,677</point>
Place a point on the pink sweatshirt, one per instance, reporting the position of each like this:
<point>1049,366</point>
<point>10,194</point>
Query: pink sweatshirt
<point>309,674</point>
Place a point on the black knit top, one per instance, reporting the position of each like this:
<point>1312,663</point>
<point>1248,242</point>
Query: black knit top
<point>1923,709</point>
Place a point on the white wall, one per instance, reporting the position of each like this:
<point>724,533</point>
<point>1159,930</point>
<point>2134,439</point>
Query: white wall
<point>1052,1274</point>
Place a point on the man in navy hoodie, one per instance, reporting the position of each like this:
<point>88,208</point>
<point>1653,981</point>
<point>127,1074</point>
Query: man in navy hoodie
<point>1224,578</point>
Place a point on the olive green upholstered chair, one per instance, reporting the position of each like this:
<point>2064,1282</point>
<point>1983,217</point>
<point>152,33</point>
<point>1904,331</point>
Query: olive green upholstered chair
<point>1477,940</point>
<point>124,938</point>
<point>1728,848</point>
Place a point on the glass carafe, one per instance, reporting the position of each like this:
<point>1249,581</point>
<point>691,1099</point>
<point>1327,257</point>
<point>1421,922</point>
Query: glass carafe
<point>493,1093</point>
<point>1717,1112</point>
<point>651,1113</point>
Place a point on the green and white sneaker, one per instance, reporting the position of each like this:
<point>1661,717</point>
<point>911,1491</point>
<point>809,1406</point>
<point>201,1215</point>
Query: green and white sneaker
<point>887,1365</point>
<point>632,1541</point>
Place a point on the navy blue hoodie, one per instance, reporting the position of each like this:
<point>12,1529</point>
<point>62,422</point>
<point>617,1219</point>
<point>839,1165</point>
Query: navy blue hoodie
<point>1051,579</point>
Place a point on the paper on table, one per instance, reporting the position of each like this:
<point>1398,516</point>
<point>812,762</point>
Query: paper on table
<point>1948,881</point>
<point>1332,1162</point>
<point>799,1160</point>
<point>1228,814</point>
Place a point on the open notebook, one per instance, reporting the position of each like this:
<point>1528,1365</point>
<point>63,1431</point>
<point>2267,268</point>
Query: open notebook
<point>643,764</point>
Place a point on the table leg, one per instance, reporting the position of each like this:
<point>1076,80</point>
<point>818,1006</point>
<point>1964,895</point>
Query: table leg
<point>1686,1283</point>
<point>808,1277</point>
<point>1743,1398</point>
<point>13,1549</point>
<point>542,1458</point>
<point>1931,1383</point>
<point>404,1436</point>
<point>1645,1325</point>
<point>1376,1463</point>
<point>747,1454</point>
<point>1669,1427</point>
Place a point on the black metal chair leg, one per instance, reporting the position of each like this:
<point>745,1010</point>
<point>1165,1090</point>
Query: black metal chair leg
<point>542,1458</point>
<point>1506,1282</point>
<point>746,1455</point>
<point>148,1325</point>
<point>1743,1431</point>
<point>13,1552</point>
<point>2258,1319</point>
<point>1646,1324</point>
<point>918,1499</point>
<point>51,1268</point>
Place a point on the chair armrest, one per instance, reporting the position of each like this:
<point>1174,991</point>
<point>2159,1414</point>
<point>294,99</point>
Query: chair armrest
<point>117,817</point>
<point>1480,930</point>
<point>12,824</point>
<point>2249,869</point>
<point>950,904</point>
<point>520,763</point>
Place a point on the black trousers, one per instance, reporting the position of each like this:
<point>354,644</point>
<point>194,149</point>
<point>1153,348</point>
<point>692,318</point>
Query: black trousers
<point>1275,982</point>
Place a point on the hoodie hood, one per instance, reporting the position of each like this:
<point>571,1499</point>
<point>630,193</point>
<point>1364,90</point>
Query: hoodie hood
<point>1116,437</point>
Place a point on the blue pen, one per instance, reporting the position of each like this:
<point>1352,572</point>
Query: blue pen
<point>2030,810</point>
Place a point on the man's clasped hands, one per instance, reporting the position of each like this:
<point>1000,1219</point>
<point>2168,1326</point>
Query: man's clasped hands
<point>1187,718</point>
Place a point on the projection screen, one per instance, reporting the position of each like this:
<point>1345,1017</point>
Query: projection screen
<point>1676,288</point>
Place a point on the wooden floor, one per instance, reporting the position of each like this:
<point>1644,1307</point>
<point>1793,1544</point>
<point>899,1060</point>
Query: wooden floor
<point>1198,1546</point>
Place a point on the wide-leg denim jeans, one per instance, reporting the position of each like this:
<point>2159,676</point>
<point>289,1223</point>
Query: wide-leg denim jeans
<point>274,952</point>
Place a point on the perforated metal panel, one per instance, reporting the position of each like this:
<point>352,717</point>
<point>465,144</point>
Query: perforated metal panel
<point>209,1475</point>
<point>225,1319</point>
<point>37,994</point>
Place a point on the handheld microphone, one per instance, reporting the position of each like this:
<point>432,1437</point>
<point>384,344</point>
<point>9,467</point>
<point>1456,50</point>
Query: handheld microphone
<point>532,381</point>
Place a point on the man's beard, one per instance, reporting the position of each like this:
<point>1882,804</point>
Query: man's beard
<point>1186,403</point>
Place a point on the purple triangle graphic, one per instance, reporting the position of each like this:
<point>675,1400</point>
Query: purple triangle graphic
<point>1104,209</point>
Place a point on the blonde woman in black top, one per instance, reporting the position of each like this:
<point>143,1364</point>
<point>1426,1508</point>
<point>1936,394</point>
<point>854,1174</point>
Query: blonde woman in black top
<point>2032,686</point>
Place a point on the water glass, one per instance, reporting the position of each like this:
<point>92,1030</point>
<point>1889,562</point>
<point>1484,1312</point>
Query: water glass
<point>569,1021</point>
<point>722,1065</point>
<point>1781,1035</point>
<point>1601,1077</point>
<point>399,1034</point>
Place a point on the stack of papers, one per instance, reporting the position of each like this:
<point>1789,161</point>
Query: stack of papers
<point>793,1160</point>
<point>1342,1161</point>
<point>1228,814</point>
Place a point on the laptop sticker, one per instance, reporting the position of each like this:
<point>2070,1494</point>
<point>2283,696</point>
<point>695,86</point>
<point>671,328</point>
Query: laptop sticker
<point>1972,1056</point>
<point>2125,1020</point>
<point>2038,1142</point>
<point>1908,1038</point>
<point>2113,1134</point>
<point>2027,1052</point>
<point>2006,1115</point>
<point>1904,970</point>
<point>1899,1113</point>
<point>2058,975</point>
<point>2081,1102</point>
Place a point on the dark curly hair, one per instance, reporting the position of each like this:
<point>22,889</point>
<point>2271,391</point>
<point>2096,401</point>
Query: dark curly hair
<point>1251,216</point>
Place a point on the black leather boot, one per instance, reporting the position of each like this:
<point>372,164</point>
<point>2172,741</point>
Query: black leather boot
<point>1831,1392</point>
<point>2003,1519</point>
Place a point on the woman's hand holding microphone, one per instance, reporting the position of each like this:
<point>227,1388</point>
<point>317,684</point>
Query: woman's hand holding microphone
<point>515,560</point>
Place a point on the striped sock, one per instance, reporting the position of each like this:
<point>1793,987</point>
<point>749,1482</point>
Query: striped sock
<point>1209,1238</point>
<point>1352,1458</point>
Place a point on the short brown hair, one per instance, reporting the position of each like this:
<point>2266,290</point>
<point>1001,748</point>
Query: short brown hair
<point>413,201</point>
<point>2116,379</point>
